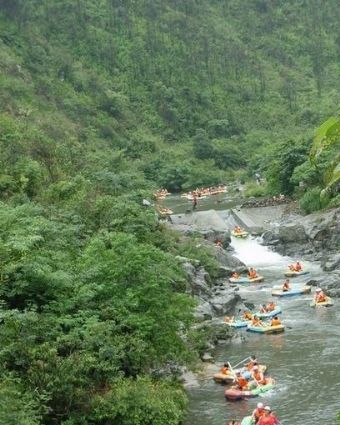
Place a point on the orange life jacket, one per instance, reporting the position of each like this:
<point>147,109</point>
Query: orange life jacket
<point>320,298</point>
<point>258,376</point>
<point>247,315</point>
<point>225,370</point>
<point>242,382</point>
<point>258,413</point>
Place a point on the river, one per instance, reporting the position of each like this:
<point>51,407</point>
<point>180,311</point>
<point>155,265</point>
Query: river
<point>222,201</point>
<point>303,360</point>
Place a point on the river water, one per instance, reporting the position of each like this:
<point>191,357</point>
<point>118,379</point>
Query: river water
<point>222,201</point>
<point>304,360</point>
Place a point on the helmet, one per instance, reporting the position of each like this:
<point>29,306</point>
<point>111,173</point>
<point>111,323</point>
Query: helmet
<point>255,368</point>
<point>318,290</point>
<point>260,405</point>
<point>268,408</point>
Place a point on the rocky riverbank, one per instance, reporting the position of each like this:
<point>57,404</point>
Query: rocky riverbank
<point>315,237</point>
<point>214,298</point>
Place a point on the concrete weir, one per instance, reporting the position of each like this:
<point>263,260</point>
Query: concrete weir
<point>258,220</point>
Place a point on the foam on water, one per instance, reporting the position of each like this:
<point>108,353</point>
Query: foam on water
<point>253,254</point>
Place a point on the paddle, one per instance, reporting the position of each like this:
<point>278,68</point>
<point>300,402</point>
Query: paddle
<point>243,361</point>
<point>234,373</point>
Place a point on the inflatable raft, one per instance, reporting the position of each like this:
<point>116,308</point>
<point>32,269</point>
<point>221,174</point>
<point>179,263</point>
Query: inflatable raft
<point>236,394</point>
<point>248,420</point>
<point>222,378</point>
<point>239,323</point>
<point>241,235</point>
<point>246,279</point>
<point>291,273</point>
<point>326,303</point>
<point>291,292</point>
<point>267,329</point>
<point>269,314</point>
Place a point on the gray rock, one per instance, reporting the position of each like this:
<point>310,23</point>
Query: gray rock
<point>292,233</point>
<point>204,311</point>
<point>332,263</point>
<point>200,284</point>
<point>314,282</point>
<point>225,304</point>
<point>207,357</point>
<point>228,263</point>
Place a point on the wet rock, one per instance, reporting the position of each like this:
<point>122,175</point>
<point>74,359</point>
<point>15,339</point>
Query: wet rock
<point>225,304</point>
<point>200,284</point>
<point>271,237</point>
<point>204,311</point>
<point>189,379</point>
<point>228,263</point>
<point>207,357</point>
<point>215,235</point>
<point>332,263</point>
<point>292,233</point>
<point>314,282</point>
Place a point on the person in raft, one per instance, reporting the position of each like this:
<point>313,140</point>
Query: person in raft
<point>263,308</point>
<point>252,273</point>
<point>237,229</point>
<point>286,286</point>
<point>256,321</point>
<point>258,376</point>
<point>241,382</point>
<point>247,315</point>
<point>235,275</point>
<point>225,369</point>
<point>297,267</point>
<point>258,412</point>
<point>271,306</point>
<point>252,362</point>
<point>229,319</point>
<point>319,296</point>
<point>275,321</point>
<point>268,418</point>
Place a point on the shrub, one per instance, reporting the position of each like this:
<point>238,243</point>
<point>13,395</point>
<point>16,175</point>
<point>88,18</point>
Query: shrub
<point>312,201</point>
<point>256,190</point>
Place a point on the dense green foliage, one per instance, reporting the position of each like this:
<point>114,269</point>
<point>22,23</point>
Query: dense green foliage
<point>101,103</point>
<point>181,92</point>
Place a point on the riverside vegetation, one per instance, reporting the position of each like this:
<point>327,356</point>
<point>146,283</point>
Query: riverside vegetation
<point>101,103</point>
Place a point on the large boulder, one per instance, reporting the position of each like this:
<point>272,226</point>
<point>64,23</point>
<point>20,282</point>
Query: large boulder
<point>332,263</point>
<point>271,237</point>
<point>292,233</point>
<point>228,263</point>
<point>204,311</point>
<point>225,303</point>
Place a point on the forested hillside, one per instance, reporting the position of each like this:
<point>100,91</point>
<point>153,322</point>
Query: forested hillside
<point>180,92</point>
<point>102,102</point>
